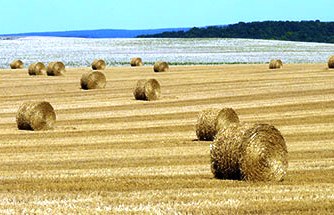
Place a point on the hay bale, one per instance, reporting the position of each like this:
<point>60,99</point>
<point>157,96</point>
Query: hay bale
<point>275,64</point>
<point>225,152</point>
<point>206,124</point>
<point>263,154</point>
<point>36,69</point>
<point>148,90</point>
<point>16,64</point>
<point>93,80</point>
<point>249,152</point>
<point>139,90</point>
<point>35,116</point>
<point>331,62</point>
<point>225,118</point>
<point>136,61</point>
<point>55,68</point>
<point>212,120</point>
<point>161,66</point>
<point>98,64</point>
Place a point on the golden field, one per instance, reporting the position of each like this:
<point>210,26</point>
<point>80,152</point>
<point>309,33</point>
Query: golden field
<point>109,153</point>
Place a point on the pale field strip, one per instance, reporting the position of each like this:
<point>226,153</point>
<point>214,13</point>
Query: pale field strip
<point>188,108</point>
<point>169,171</point>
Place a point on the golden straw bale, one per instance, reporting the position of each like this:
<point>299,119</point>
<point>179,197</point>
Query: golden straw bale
<point>160,66</point>
<point>136,61</point>
<point>98,64</point>
<point>253,152</point>
<point>93,80</point>
<point>263,154</point>
<point>55,68</point>
<point>225,152</point>
<point>37,69</point>
<point>152,90</point>
<point>139,90</point>
<point>206,124</point>
<point>331,62</point>
<point>16,64</point>
<point>275,64</point>
<point>148,90</point>
<point>225,118</point>
<point>35,116</point>
<point>212,120</point>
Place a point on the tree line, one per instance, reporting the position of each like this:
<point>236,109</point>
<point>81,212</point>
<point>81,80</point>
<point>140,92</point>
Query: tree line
<point>306,31</point>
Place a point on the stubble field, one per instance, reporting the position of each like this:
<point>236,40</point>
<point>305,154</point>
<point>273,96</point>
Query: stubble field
<point>110,153</point>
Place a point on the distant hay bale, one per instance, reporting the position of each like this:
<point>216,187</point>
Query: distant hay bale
<point>160,66</point>
<point>212,120</point>
<point>55,68</point>
<point>98,64</point>
<point>35,116</point>
<point>331,62</point>
<point>263,154</point>
<point>148,90</point>
<point>225,152</point>
<point>36,69</point>
<point>16,64</point>
<point>93,80</point>
<point>275,64</point>
<point>136,61</point>
<point>249,152</point>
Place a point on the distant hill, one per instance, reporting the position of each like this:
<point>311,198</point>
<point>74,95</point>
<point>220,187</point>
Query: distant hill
<point>306,31</point>
<point>102,33</point>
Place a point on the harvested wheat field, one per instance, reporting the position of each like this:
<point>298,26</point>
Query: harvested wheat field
<point>110,153</point>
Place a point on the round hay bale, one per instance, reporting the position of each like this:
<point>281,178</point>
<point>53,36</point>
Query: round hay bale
<point>55,68</point>
<point>36,69</point>
<point>139,90</point>
<point>275,64</point>
<point>225,152</point>
<point>152,90</point>
<point>148,90</point>
<point>93,80</point>
<point>35,116</point>
<point>160,66</point>
<point>331,62</point>
<point>225,118</point>
<point>16,64</point>
<point>98,64</point>
<point>136,61</point>
<point>263,154</point>
<point>206,124</point>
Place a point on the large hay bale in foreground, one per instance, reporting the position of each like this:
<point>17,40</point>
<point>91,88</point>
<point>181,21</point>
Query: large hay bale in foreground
<point>148,90</point>
<point>56,68</point>
<point>35,116</point>
<point>16,64</point>
<point>37,69</point>
<point>275,64</point>
<point>136,61</point>
<point>98,64</point>
<point>253,152</point>
<point>263,154</point>
<point>225,152</point>
<point>212,120</point>
<point>331,62</point>
<point>161,66</point>
<point>93,80</point>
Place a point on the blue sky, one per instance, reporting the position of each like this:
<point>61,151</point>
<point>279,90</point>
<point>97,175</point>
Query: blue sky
<point>19,16</point>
